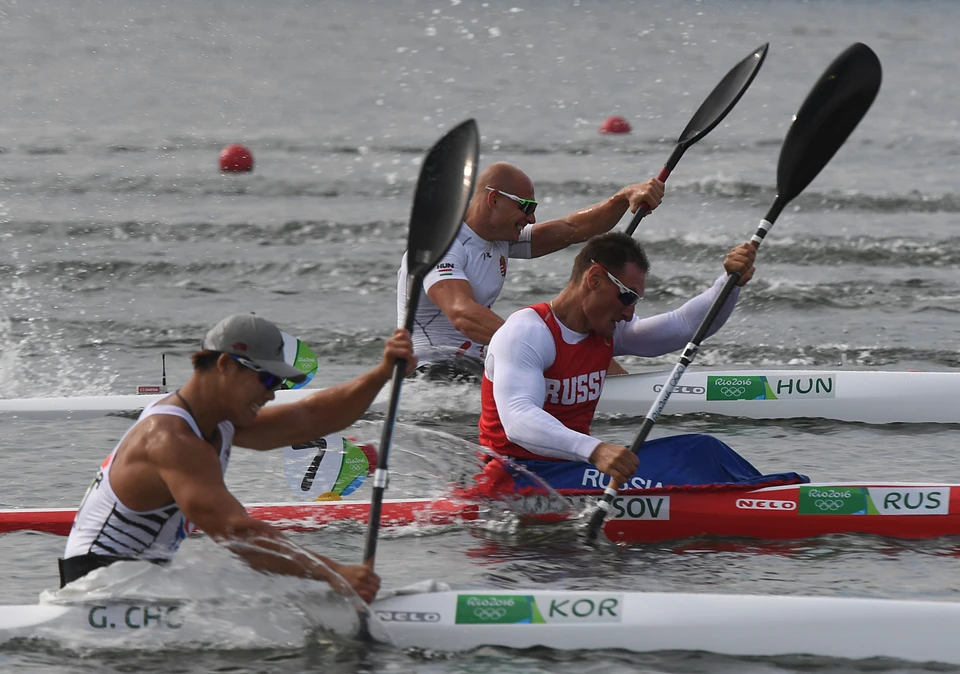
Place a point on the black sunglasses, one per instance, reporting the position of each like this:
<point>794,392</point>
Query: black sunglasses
<point>271,382</point>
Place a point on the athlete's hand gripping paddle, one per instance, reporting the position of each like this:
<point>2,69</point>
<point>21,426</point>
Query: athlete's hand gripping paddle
<point>443,192</point>
<point>710,113</point>
<point>831,111</point>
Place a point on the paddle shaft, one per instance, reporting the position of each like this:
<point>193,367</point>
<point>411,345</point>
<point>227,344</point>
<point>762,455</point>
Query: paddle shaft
<point>686,358</point>
<point>381,476</point>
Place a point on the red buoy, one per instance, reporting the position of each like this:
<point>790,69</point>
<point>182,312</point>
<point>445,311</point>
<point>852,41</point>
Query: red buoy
<point>615,125</point>
<point>236,159</point>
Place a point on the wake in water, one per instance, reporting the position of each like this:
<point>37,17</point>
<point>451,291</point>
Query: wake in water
<point>205,598</point>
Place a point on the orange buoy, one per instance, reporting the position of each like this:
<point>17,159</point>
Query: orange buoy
<point>236,159</point>
<point>615,125</point>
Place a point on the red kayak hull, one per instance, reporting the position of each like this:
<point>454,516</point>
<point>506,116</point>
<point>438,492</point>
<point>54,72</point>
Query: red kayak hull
<point>787,512</point>
<point>288,516</point>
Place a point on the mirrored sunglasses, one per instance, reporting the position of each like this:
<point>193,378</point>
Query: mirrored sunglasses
<point>528,206</point>
<point>627,297</point>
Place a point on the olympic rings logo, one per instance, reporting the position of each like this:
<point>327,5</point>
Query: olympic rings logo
<point>828,504</point>
<point>489,613</point>
<point>732,392</point>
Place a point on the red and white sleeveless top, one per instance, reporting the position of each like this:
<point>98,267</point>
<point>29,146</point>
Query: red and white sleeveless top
<point>574,383</point>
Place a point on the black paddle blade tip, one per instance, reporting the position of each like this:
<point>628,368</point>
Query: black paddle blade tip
<point>444,188</point>
<point>724,96</point>
<point>829,114</point>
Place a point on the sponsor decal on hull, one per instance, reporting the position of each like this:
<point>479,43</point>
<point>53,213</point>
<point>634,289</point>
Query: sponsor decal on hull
<point>682,390</point>
<point>765,504</point>
<point>874,501</point>
<point>409,616</point>
<point>761,387</point>
<point>539,609</point>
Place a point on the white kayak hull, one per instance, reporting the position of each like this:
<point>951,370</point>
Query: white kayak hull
<point>735,625</point>
<point>866,396</point>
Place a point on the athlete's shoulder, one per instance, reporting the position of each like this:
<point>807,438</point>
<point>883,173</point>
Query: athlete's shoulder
<point>471,241</point>
<point>523,338</point>
<point>163,439</point>
<point>519,326</point>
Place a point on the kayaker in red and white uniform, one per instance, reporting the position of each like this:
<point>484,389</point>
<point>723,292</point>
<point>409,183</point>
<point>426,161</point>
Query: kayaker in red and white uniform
<point>454,320</point>
<point>164,479</point>
<point>545,368</point>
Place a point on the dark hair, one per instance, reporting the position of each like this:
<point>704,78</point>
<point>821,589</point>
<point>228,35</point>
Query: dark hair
<point>613,251</point>
<point>204,360</point>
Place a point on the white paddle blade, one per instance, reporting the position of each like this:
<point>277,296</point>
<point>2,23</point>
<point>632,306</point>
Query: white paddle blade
<point>327,468</point>
<point>300,356</point>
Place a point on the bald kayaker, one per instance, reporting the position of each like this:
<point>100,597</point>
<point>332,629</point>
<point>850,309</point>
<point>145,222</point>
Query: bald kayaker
<point>164,479</point>
<point>454,320</point>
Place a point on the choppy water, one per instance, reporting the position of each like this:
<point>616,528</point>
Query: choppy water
<point>120,241</point>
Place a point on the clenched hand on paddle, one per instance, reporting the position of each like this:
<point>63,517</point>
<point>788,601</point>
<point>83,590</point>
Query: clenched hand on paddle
<point>829,114</point>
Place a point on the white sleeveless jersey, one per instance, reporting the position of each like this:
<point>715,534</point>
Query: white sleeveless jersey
<point>483,264</point>
<point>104,526</point>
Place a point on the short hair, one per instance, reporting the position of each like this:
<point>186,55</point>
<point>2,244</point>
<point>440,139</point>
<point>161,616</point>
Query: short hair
<point>204,360</point>
<point>613,251</point>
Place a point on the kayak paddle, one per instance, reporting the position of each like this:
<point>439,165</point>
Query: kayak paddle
<point>443,192</point>
<point>831,111</point>
<point>710,113</point>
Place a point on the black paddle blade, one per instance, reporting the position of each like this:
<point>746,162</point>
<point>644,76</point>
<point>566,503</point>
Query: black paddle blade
<point>724,96</point>
<point>444,188</point>
<point>829,114</point>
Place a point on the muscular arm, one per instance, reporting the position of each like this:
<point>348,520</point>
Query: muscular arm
<point>520,353</point>
<point>549,237</point>
<point>599,218</point>
<point>192,473</point>
<point>327,410</point>
<point>454,298</point>
<point>657,335</point>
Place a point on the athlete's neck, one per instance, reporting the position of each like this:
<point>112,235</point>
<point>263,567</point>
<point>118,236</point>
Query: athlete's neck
<point>478,227</point>
<point>200,402</point>
<point>568,308</point>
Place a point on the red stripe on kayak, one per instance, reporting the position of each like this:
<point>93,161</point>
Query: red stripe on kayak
<point>288,516</point>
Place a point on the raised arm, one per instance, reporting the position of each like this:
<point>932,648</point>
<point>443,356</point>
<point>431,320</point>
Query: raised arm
<point>657,335</point>
<point>328,410</point>
<point>548,237</point>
